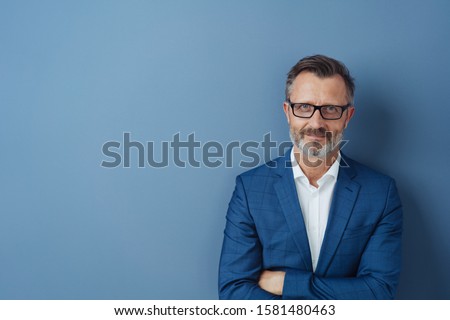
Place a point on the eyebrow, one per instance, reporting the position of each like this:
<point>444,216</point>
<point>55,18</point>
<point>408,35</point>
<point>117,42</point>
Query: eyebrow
<point>321,105</point>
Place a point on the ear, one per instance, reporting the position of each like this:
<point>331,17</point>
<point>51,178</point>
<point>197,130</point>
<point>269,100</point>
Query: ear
<point>286,109</point>
<point>350,113</point>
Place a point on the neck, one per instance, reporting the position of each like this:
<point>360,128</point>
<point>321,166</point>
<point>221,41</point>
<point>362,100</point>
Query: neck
<point>314,168</point>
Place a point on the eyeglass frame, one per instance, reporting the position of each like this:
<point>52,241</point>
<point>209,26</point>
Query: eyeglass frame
<point>344,107</point>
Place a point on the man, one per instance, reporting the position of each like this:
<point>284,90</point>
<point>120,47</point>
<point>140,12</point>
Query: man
<point>313,224</point>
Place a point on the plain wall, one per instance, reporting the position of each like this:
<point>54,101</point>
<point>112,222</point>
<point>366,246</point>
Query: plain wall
<point>76,74</point>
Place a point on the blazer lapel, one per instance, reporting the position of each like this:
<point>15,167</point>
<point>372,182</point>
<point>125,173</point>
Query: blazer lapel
<point>287,196</point>
<point>344,198</point>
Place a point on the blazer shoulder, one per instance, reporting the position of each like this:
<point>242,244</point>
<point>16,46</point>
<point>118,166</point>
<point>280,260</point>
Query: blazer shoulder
<point>364,172</point>
<point>271,168</point>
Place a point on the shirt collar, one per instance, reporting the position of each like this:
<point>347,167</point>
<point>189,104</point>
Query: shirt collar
<point>332,172</point>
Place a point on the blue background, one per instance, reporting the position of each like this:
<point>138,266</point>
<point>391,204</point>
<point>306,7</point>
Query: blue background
<point>75,74</point>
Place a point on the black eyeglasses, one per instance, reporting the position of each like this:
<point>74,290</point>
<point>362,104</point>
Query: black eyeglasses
<point>306,110</point>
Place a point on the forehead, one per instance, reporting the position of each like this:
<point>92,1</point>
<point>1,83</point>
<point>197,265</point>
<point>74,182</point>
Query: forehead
<point>309,88</point>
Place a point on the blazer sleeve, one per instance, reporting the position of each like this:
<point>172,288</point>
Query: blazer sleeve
<point>241,258</point>
<point>379,268</point>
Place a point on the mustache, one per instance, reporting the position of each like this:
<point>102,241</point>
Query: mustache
<point>320,132</point>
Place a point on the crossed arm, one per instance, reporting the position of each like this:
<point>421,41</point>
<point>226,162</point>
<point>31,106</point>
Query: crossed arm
<point>241,275</point>
<point>272,281</point>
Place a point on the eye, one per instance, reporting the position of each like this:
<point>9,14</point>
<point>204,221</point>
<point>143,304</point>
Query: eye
<point>331,109</point>
<point>303,107</point>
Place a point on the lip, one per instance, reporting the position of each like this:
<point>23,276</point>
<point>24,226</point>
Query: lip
<point>315,137</point>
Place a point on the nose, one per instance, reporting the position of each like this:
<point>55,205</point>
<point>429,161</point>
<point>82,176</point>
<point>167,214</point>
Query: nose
<point>316,121</point>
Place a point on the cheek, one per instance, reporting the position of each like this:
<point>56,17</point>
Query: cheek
<point>337,127</point>
<point>296,125</point>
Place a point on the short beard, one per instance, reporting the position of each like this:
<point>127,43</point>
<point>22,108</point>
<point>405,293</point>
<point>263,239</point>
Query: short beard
<point>314,149</point>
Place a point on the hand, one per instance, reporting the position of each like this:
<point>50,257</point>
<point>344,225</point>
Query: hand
<point>272,281</point>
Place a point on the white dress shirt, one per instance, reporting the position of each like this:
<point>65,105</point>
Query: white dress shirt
<point>315,203</point>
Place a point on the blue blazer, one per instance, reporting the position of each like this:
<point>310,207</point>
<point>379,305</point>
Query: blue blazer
<point>360,255</point>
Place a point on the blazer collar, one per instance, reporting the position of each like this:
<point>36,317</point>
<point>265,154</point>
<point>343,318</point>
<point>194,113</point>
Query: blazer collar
<point>288,199</point>
<point>345,195</point>
<point>344,198</point>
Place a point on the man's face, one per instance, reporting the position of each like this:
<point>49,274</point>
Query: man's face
<point>316,137</point>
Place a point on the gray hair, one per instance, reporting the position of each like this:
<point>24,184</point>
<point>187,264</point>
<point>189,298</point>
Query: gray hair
<point>323,67</point>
